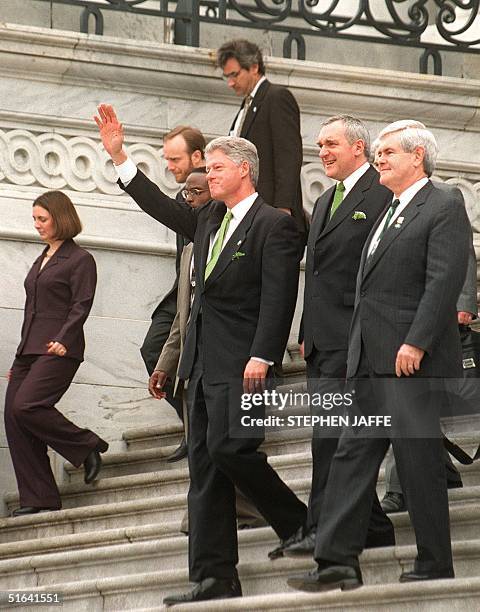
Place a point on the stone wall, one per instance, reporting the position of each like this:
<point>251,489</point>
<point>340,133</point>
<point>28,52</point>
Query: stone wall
<point>50,84</point>
<point>319,48</point>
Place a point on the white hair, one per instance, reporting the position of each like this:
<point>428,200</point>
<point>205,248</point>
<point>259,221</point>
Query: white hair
<point>413,134</point>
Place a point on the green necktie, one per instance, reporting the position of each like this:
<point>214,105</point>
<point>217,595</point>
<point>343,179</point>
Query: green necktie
<point>337,198</point>
<point>390,213</point>
<point>217,246</point>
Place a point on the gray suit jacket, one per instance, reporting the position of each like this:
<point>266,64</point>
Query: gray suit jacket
<point>408,289</point>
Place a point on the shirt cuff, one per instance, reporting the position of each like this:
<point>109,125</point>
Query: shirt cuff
<point>270,363</point>
<point>126,171</point>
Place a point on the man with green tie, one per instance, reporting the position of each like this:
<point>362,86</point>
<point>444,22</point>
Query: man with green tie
<point>246,259</point>
<point>341,221</point>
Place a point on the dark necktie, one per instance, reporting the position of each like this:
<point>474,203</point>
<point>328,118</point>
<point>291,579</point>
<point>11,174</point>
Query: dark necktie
<point>390,213</point>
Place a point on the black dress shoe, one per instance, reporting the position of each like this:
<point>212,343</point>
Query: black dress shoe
<point>24,510</point>
<point>393,502</point>
<point>303,547</point>
<point>332,577</point>
<point>179,453</point>
<point>277,552</point>
<point>210,588</point>
<point>416,576</point>
<point>93,463</point>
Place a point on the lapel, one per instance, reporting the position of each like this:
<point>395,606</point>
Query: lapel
<point>234,243</point>
<point>322,208</point>
<point>35,270</point>
<point>351,202</point>
<point>254,107</point>
<point>63,252</point>
<point>409,213</point>
<point>235,119</point>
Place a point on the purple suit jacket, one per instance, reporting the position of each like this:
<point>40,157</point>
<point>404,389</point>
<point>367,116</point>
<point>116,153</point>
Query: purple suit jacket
<point>59,299</point>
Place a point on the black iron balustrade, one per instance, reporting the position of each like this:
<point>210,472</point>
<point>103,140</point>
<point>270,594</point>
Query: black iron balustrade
<point>453,24</point>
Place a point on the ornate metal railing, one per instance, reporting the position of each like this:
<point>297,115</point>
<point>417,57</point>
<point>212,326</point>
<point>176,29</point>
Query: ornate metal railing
<point>432,25</point>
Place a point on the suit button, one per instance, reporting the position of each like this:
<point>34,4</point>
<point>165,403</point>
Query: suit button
<point>363,293</point>
<point>315,273</point>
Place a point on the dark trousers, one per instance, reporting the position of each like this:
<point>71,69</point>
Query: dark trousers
<point>154,341</point>
<point>326,372</point>
<point>354,471</point>
<point>32,423</point>
<point>392,481</point>
<point>218,462</point>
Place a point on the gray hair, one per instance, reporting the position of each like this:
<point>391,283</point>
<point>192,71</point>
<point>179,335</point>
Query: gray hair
<point>237,150</point>
<point>354,130</point>
<point>414,134</point>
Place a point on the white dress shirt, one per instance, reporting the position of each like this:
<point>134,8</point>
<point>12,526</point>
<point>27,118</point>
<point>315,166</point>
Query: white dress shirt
<point>239,119</point>
<point>127,171</point>
<point>405,198</point>
<point>350,182</point>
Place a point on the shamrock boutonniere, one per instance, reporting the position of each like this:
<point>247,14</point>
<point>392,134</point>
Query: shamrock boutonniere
<point>237,255</point>
<point>398,222</point>
<point>358,214</point>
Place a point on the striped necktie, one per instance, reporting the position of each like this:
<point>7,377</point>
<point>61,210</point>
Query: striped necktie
<point>390,213</point>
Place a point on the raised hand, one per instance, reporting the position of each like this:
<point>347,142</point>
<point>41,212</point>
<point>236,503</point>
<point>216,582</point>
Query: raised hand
<point>111,133</point>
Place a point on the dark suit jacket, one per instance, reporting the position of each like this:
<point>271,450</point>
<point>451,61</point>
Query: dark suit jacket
<point>247,302</point>
<point>169,301</point>
<point>59,299</point>
<point>408,290</point>
<point>333,255</point>
<point>273,125</point>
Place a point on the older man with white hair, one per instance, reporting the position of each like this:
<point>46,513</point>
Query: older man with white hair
<point>403,340</point>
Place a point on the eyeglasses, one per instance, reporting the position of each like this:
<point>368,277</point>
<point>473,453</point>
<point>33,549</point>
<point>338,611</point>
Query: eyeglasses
<point>231,75</point>
<point>194,193</point>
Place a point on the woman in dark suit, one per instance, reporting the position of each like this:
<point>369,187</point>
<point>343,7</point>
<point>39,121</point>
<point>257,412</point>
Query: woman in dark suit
<point>60,288</point>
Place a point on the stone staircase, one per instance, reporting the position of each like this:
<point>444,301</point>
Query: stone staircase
<point>116,545</point>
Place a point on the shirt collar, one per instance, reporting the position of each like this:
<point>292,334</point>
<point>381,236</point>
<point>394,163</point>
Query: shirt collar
<point>255,89</point>
<point>351,180</point>
<point>412,191</point>
<point>241,209</point>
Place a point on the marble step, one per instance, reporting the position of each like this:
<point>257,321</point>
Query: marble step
<point>462,595</point>
<point>169,488</point>
<point>265,581</point>
<point>75,529</point>
<point>175,481</point>
<point>152,459</point>
<point>159,436</point>
<point>170,552</point>
<point>157,518</point>
<point>154,509</point>
<point>160,483</point>
<point>287,441</point>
